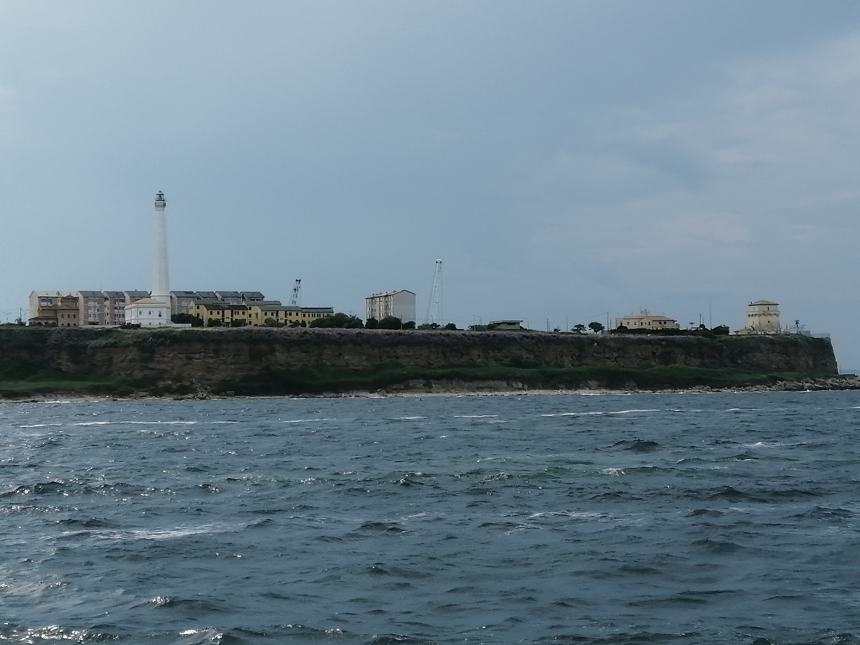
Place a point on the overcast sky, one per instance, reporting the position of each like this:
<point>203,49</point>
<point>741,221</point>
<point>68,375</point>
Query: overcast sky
<point>565,159</point>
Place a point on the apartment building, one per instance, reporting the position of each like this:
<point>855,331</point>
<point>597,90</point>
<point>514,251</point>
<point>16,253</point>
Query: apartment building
<point>399,304</point>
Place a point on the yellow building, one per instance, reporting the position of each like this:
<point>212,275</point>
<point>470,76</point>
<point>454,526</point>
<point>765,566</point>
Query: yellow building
<point>257,315</point>
<point>289,316</point>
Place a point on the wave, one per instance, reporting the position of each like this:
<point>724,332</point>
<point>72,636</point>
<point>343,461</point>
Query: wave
<point>732,494</point>
<point>599,413</point>
<point>41,425</point>
<point>53,633</point>
<point>637,445</point>
<point>165,533</point>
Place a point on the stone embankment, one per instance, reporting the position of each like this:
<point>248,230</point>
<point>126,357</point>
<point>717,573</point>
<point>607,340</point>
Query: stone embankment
<point>288,361</point>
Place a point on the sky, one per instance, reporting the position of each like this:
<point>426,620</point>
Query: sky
<point>569,161</point>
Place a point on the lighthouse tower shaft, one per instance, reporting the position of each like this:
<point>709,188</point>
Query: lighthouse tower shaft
<point>160,274</point>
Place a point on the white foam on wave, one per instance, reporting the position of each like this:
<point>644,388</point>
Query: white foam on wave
<point>304,420</point>
<point>42,425</point>
<point>211,634</point>
<point>161,534</point>
<point>159,423</point>
<point>574,515</point>
<point>51,633</point>
<point>634,411</point>
<point>153,422</point>
<point>597,413</point>
<point>574,414</point>
<point>761,444</point>
<point>414,418</point>
<point>612,472</point>
<point>475,416</point>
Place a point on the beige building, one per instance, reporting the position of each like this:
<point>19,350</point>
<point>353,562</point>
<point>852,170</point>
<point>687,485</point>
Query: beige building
<point>762,318</point>
<point>53,309</point>
<point>646,320</point>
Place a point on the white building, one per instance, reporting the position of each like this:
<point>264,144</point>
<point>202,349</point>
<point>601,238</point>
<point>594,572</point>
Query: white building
<point>155,310</point>
<point>762,318</point>
<point>399,304</point>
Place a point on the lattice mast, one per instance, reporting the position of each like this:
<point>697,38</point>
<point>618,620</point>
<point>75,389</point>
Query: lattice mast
<point>297,288</point>
<point>436,303</point>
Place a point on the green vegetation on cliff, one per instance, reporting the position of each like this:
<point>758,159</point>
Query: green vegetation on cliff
<point>297,361</point>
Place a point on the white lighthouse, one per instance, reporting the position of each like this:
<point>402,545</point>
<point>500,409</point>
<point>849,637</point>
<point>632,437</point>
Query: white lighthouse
<point>155,310</point>
<point>160,274</point>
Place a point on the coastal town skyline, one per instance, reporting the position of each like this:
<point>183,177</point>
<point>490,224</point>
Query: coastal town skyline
<point>567,161</point>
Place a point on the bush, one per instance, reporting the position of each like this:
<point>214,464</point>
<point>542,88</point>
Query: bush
<point>187,319</point>
<point>339,320</point>
<point>391,322</point>
<point>371,323</point>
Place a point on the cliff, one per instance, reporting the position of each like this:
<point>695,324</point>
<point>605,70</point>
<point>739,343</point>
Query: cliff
<point>286,361</point>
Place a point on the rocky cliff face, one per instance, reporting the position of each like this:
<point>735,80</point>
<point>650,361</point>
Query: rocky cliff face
<point>206,359</point>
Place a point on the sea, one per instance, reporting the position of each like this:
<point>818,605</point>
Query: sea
<point>729,517</point>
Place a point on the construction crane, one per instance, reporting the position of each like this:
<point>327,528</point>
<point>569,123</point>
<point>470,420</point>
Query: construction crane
<point>297,287</point>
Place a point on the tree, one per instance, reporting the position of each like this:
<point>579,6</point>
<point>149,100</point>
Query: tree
<point>595,326</point>
<point>371,323</point>
<point>450,327</point>
<point>578,328</point>
<point>426,326</point>
<point>390,322</point>
<point>340,320</point>
<point>214,322</point>
<point>238,322</point>
<point>721,330</point>
<point>271,322</point>
<point>409,324</point>
<point>187,319</point>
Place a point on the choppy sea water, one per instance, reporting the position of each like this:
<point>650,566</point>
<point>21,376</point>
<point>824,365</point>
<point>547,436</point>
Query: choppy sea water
<point>668,518</point>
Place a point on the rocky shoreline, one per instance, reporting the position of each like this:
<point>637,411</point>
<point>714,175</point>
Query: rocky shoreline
<point>463,388</point>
